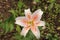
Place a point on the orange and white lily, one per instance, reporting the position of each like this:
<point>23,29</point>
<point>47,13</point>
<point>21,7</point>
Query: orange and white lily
<point>31,22</point>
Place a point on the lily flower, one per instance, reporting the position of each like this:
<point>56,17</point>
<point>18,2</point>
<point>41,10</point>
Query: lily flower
<point>31,22</point>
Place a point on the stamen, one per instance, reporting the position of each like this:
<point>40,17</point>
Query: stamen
<point>31,23</point>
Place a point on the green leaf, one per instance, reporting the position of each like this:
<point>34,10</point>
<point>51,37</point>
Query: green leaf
<point>8,24</point>
<point>18,29</point>
<point>52,1</point>
<point>20,4</point>
<point>18,36</point>
<point>11,27</point>
<point>50,6</point>
<point>37,0</point>
<point>40,27</point>
<point>6,27</point>
<point>49,36</point>
<point>14,12</point>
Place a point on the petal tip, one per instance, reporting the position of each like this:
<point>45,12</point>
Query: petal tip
<point>40,11</point>
<point>27,9</point>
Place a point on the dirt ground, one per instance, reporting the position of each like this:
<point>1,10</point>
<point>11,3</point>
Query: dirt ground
<point>5,6</point>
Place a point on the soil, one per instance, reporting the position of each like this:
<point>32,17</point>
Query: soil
<point>5,6</point>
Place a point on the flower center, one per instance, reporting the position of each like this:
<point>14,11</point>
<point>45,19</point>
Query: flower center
<point>31,23</point>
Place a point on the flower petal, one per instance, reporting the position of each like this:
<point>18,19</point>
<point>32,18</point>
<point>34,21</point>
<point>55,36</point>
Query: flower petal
<point>37,14</point>
<point>28,13</point>
<point>36,32</point>
<point>24,31</point>
<point>40,23</point>
<point>21,21</point>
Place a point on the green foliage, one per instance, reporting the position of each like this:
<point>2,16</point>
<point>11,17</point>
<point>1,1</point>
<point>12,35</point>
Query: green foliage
<point>29,36</point>
<point>14,12</point>
<point>20,4</point>
<point>52,1</point>
<point>37,0</point>
<point>18,29</point>
<point>51,37</point>
<point>51,16</point>
<point>8,25</point>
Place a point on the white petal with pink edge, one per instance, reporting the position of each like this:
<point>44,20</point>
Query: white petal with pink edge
<point>19,21</point>
<point>41,23</point>
<point>37,14</point>
<point>28,13</point>
<point>36,32</point>
<point>25,31</point>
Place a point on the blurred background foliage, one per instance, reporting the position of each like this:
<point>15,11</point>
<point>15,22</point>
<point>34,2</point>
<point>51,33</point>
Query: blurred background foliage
<point>51,16</point>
